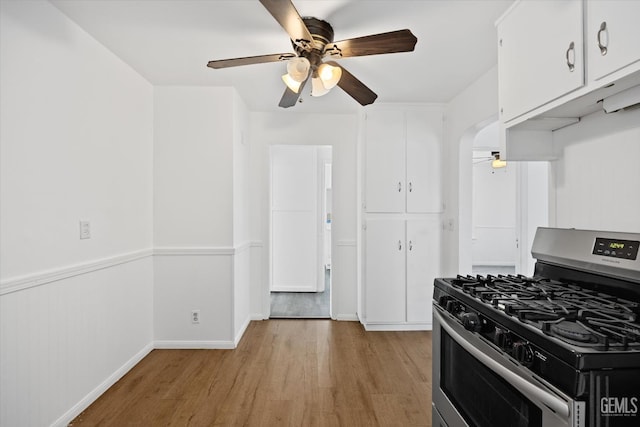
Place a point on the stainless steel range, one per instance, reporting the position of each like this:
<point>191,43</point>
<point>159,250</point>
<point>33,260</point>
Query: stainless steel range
<point>561,348</point>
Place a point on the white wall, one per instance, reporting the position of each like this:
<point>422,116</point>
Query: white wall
<point>597,175</point>
<point>75,143</point>
<point>193,167</point>
<point>465,115</point>
<point>341,132</point>
<point>201,191</point>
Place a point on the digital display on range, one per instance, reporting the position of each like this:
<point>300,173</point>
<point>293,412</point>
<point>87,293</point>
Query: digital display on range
<point>625,249</point>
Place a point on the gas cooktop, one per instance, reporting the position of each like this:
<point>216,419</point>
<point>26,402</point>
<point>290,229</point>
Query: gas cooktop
<point>566,311</point>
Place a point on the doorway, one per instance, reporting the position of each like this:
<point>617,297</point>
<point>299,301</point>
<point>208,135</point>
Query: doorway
<point>300,231</point>
<point>493,202</point>
<point>507,202</point>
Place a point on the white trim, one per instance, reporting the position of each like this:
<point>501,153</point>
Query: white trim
<point>347,317</point>
<point>346,242</point>
<point>84,403</point>
<point>16,284</point>
<point>241,332</point>
<point>256,244</point>
<point>258,316</point>
<point>194,345</point>
<point>244,246</point>
<point>20,283</point>
<point>195,251</point>
<point>398,326</point>
<point>493,264</point>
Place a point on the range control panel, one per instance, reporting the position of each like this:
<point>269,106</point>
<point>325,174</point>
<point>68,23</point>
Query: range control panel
<point>625,249</point>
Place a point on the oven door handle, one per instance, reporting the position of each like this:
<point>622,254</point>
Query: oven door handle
<point>557,404</point>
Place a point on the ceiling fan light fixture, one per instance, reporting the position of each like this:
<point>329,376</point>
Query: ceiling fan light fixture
<point>298,68</point>
<point>317,87</point>
<point>497,162</point>
<point>329,75</point>
<point>291,83</point>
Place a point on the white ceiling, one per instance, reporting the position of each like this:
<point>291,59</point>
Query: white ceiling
<point>170,41</point>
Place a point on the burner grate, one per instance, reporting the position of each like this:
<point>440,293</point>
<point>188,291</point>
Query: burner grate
<point>567,311</point>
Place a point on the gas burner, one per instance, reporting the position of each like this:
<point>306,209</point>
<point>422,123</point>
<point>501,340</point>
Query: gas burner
<point>567,311</point>
<point>572,331</point>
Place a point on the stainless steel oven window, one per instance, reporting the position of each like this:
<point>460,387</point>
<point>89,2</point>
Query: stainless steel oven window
<point>482,398</point>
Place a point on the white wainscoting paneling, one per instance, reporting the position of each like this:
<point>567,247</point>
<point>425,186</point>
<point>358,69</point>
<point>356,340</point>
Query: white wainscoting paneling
<point>66,339</point>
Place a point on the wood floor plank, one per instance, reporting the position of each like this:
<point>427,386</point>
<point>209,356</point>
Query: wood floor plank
<point>283,373</point>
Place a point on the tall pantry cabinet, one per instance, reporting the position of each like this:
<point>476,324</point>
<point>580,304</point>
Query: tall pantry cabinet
<point>400,216</point>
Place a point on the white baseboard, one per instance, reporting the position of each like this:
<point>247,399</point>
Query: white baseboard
<point>347,317</point>
<point>241,332</point>
<point>259,316</point>
<point>193,345</point>
<point>83,404</point>
<point>397,326</point>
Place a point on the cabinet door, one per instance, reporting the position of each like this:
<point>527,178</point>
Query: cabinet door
<point>538,40</point>
<point>385,271</point>
<point>423,265</point>
<point>424,133</point>
<point>613,36</point>
<point>385,161</point>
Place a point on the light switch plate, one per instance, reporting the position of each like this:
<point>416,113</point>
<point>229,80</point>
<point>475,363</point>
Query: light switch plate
<point>85,230</point>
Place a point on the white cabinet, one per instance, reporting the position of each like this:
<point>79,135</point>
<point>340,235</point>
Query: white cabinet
<point>402,259</point>
<point>540,54</point>
<point>401,216</point>
<point>385,161</point>
<point>613,36</point>
<point>423,261</point>
<point>402,160</point>
<point>423,136</point>
<point>385,271</point>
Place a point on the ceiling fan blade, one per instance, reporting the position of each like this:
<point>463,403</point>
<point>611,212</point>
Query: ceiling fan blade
<point>236,62</point>
<point>354,87</point>
<point>392,42</point>
<point>288,17</point>
<point>289,97</point>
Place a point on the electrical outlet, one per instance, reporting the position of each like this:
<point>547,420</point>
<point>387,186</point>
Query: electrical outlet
<point>85,229</point>
<point>195,316</point>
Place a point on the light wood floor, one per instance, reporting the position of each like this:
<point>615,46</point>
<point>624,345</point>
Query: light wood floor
<point>283,373</point>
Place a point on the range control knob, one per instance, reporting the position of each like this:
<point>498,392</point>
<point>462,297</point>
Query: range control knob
<point>470,321</point>
<point>523,353</point>
<point>502,338</point>
<point>453,307</point>
<point>443,300</point>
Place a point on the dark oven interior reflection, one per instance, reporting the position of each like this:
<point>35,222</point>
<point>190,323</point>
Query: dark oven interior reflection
<point>488,400</point>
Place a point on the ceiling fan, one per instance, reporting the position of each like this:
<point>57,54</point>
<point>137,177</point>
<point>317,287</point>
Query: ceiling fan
<point>312,40</point>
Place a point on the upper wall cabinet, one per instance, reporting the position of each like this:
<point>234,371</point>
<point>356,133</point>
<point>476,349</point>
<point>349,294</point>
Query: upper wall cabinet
<point>540,54</point>
<point>613,36</point>
<point>402,160</point>
<point>545,83</point>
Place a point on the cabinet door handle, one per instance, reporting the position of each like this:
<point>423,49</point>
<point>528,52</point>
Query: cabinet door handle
<point>410,187</point>
<point>399,186</point>
<point>601,45</point>
<point>410,245</point>
<point>399,245</point>
<point>571,56</point>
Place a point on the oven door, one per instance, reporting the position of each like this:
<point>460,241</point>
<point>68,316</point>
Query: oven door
<point>476,384</point>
